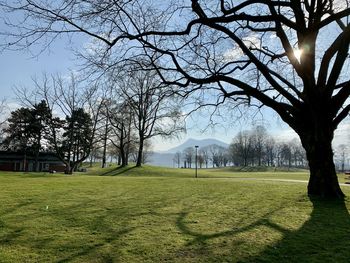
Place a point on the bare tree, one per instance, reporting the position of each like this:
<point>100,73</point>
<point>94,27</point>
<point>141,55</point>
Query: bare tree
<point>177,159</point>
<point>298,153</point>
<point>259,139</point>
<point>68,98</point>
<point>284,155</point>
<point>201,161</point>
<point>120,116</point>
<point>263,53</point>
<point>104,130</point>
<point>204,153</point>
<point>342,155</point>
<point>82,111</point>
<point>95,154</point>
<point>153,109</point>
<point>241,148</point>
<point>188,155</point>
<point>3,118</point>
<point>270,150</point>
<point>218,155</point>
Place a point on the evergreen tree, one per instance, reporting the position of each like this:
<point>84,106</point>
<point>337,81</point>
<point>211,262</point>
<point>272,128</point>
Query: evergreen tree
<point>39,129</point>
<point>27,128</point>
<point>76,139</point>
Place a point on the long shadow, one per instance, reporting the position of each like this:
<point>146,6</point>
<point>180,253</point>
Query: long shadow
<point>68,217</point>
<point>200,243</point>
<point>118,171</point>
<point>324,237</point>
<point>93,249</point>
<point>8,233</point>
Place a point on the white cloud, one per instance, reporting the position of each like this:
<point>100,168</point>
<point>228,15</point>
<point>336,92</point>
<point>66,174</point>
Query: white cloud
<point>341,135</point>
<point>236,53</point>
<point>285,135</point>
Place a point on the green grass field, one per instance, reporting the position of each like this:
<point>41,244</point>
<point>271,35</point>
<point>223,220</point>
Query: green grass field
<point>155,214</point>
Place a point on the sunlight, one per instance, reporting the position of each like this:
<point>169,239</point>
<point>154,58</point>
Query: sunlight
<point>297,53</point>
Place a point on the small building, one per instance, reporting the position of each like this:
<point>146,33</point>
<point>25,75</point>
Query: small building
<point>19,161</point>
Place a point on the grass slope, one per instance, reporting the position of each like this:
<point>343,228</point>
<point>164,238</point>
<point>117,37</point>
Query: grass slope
<point>138,215</point>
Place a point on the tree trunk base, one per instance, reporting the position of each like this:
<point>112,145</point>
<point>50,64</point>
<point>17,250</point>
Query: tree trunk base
<point>323,189</point>
<point>323,180</point>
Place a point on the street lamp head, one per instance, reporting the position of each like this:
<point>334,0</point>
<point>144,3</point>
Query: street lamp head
<point>196,146</point>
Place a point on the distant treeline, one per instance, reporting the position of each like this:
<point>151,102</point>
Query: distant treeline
<point>255,147</point>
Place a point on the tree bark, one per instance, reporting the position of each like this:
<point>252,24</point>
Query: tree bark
<point>323,180</point>
<point>73,168</point>
<point>123,158</point>
<point>140,153</point>
<point>90,160</point>
<point>105,145</point>
<point>68,169</point>
<point>122,154</point>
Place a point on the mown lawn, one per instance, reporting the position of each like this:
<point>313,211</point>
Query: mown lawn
<point>215,173</point>
<point>136,215</point>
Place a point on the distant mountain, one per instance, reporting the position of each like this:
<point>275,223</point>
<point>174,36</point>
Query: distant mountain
<point>167,158</point>
<point>192,142</point>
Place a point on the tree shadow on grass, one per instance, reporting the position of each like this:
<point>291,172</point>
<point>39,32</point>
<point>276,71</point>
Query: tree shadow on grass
<point>93,249</point>
<point>10,233</point>
<point>324,237</point>
<point>200,246</point>
<point>97,233</point>
<point>118,171</point>
<point>202,239</point>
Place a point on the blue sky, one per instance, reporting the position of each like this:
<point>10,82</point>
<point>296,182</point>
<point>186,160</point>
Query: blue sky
<point>17,68</point>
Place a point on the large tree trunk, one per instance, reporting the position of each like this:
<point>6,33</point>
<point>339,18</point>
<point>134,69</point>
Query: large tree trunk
<point>140,153</point>
<point>104,160</point>
<point>90,160</point>
<point>123,159</point>
<point>323,180</point>
<point>68,169</point>
<point>72,169</point>
<point>105,145</point>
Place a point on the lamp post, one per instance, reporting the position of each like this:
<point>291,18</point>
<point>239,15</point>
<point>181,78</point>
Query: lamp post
<point>196,160</point>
